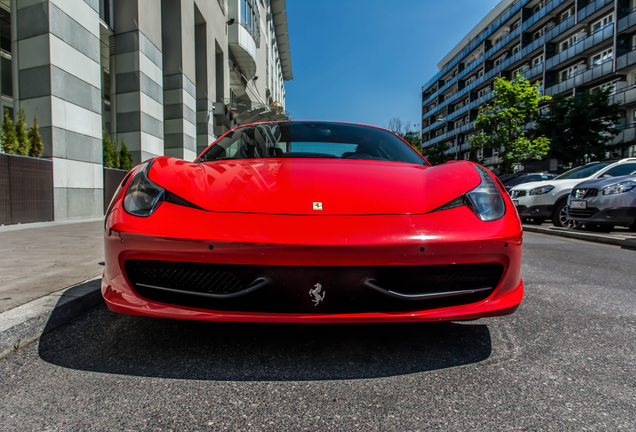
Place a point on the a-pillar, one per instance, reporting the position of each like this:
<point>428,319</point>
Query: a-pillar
<point>179,76</point>
<point>59,77</point>
<point>139,77</point>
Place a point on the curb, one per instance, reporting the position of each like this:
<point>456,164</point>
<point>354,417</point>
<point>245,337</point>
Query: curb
<point>26,323</point>
<point>591,237</point>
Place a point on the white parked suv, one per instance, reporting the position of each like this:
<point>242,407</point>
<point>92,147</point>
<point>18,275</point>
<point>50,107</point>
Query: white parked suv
<point>538,201</point>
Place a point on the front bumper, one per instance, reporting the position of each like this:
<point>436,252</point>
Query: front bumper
<point>537,211</point>
<point>621,216</point>
<point>448,237</point>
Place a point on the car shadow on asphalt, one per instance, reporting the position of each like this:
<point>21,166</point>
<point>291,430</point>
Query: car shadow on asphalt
<point>103,341</point>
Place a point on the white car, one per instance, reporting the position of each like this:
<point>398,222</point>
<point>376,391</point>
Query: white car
<point>538,201</point>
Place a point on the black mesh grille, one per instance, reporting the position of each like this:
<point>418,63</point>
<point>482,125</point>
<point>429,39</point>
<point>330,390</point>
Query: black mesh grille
<point>584,193</point>
<point>288,290</point>
<point>582,213</point>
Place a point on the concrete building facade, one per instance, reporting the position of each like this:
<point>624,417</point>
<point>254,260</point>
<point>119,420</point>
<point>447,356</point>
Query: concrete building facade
<point>165,76</point>
<point>567,46</point>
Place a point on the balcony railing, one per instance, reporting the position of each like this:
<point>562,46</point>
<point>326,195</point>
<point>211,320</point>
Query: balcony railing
<point>592,7</point>
<point>583,77</point>
<point>581,46</point>
<point>627,134</point>
<point>624,96</point>
<point>549,35</point>
<point>510,60</point>
<point>627,22</point>
<point>533,72</point>
<point>545,10</point>
<point>626,60</point>
<point>503,41</point>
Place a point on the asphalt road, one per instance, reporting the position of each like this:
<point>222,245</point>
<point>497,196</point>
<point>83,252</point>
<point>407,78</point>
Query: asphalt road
<point>564,362</point>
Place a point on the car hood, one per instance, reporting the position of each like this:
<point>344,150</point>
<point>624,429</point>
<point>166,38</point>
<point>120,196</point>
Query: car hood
<point>561,184</point>
<point>291,186</point>
<point>604,182</point>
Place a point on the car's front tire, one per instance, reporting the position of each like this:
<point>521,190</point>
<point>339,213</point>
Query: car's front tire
<point>560,217</point>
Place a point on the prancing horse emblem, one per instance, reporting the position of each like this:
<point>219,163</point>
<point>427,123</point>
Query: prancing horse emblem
<point>316,293</point>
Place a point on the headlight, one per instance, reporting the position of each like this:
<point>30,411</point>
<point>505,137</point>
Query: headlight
<point>619,188</point>
<point>486,200</point>
<point>541,190</point>
<point>143,196</point>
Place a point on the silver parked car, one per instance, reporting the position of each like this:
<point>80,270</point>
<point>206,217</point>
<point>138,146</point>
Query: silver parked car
<point>603,203</point>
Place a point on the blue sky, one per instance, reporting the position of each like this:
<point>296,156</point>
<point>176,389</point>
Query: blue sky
<point>365,61</point>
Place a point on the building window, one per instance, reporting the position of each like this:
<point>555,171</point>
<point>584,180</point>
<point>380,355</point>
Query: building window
<point>539,6</point>
<point>516,49</point>
<point>601,57</point>
<point>602,23</point>
<point>539,33</point>
<point>515,25</point>
<point>537,60</point>
<point>567,14</point>
<point>567,73</point>
<point>611,86</point>
<point>568,43</point>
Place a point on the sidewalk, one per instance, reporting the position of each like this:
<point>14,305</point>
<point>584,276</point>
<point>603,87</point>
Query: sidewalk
<point>37,259</point>
<point>618,237</point>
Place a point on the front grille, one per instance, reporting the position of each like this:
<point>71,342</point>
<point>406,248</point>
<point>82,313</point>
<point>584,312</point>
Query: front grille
<point>288,289</point>
<point>584,193</point>
<point>517,193</point>
<point>582,213</point>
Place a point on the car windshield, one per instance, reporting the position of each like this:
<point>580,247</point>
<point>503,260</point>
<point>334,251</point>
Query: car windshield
<point>583,171</point>
<point>311,140</point>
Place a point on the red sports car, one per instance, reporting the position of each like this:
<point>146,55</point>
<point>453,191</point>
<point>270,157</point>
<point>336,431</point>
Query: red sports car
<point>312,222</point>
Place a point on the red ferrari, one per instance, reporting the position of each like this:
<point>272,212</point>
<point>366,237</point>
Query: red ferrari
<point>312,222</point>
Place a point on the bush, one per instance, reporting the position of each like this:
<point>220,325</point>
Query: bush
<point>9,139</point>
<point>111,157</point>
<point>35,139</point>
<point>125,158</point>
<point>24,145</point>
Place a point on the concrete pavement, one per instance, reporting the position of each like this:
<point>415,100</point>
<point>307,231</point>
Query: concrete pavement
<point>38,259</point>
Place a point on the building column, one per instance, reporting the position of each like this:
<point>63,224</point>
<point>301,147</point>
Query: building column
<point>205,106</point>
<point>59,77</point>
<point>179,76</point>
<point>138,78</point>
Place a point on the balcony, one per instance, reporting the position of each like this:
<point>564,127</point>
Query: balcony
<point>548,36</point>
<point>626,60</point>
<point>243,47</point>
<point>471,67</point>
<point>510,60</point>
<point>504,41</point>
<point>533,72</point>
<point>627,22</point>
<point>592,7</point>
<point>581,46</point>
<point>624,96</point>
<point>541,13</point>
<point>627,134</point>
<point>581,78</point>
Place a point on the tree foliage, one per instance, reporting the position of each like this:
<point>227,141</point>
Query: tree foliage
<point>436,155</point>
<point>9,139</point>
<point>403,130</point>
<point>111,157</point>
<point>35,139</point>
<point>125,159</point>
<point>580,128</point>
<point>515,103</point>
<point>24,145</point>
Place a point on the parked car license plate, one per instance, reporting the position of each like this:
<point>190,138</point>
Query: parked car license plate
<point>515,202</point>
<point>578,204</point>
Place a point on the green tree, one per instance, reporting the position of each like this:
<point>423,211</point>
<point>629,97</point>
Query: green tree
<point>24,145</point>
<point>503,122</point>
<point>435,154</point>
<point>414,137</point>
<point>9,140</point>
<point>111,157</point>
<point>580,128</point>
<point>35,139</point>
<point>125,158</point>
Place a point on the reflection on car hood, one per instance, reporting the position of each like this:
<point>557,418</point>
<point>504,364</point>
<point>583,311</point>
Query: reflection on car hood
<point>604,182</point>
<point>291,186</point>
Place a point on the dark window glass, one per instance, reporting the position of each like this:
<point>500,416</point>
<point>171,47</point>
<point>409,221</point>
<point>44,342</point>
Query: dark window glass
<point>620,170</point>
<point>311,140</point>
<point>583,171</point>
